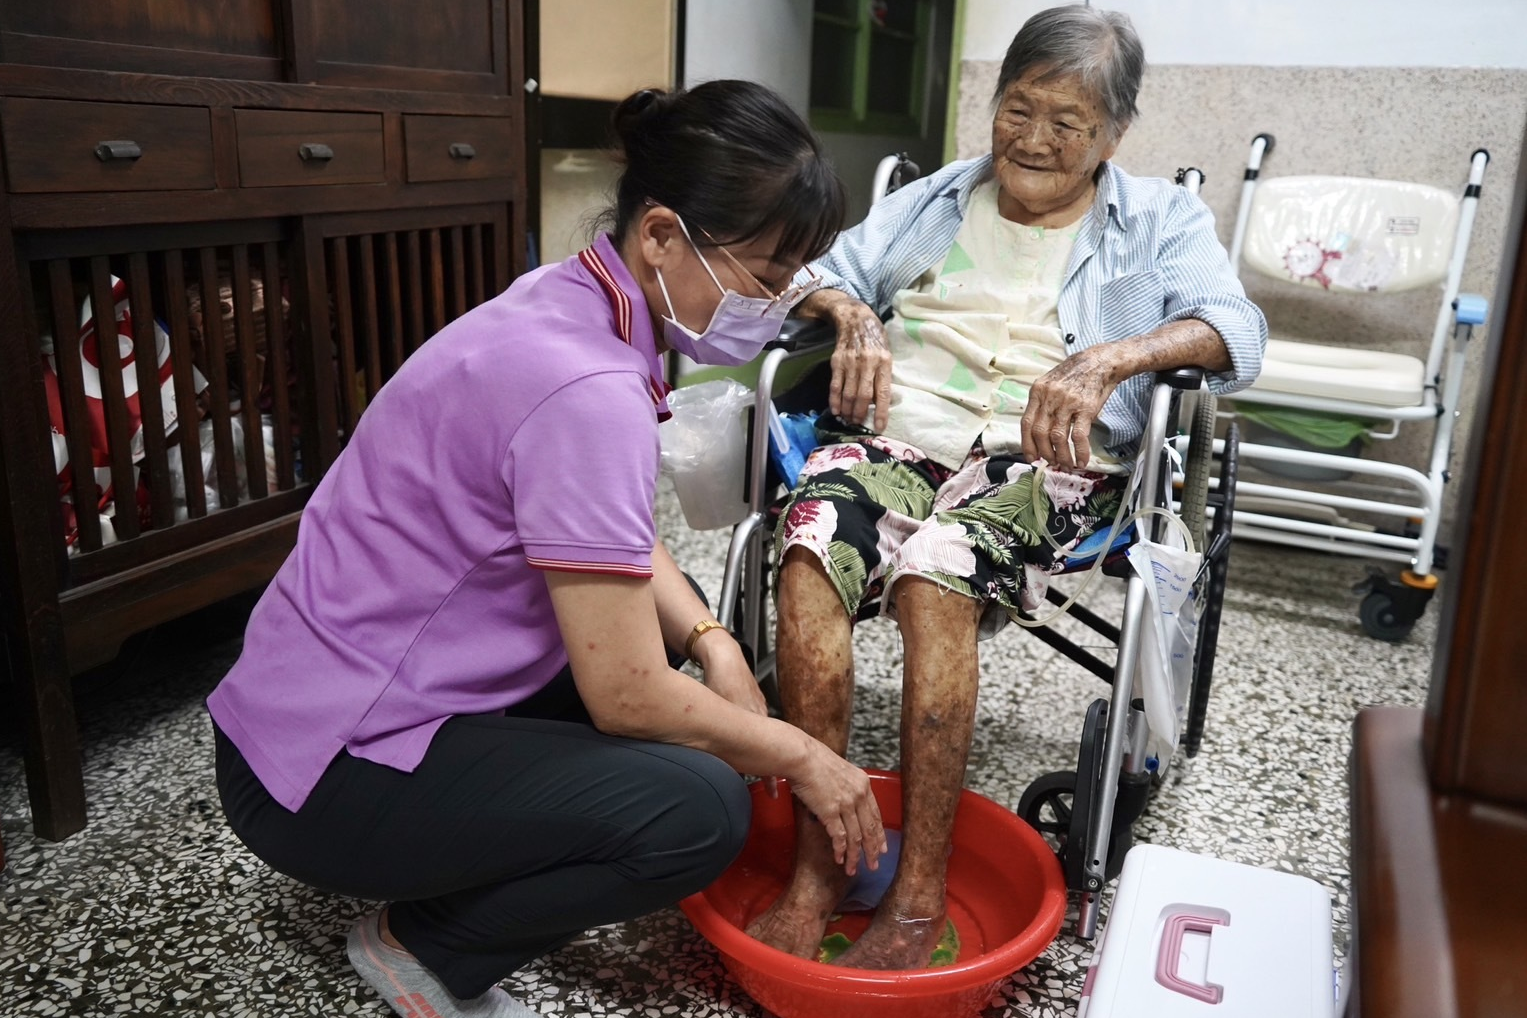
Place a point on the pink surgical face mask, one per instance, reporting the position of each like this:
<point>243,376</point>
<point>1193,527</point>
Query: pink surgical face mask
<point>739,328</point>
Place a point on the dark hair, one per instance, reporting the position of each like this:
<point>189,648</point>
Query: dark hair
<point>733,160</point>
<point>1100,47</point>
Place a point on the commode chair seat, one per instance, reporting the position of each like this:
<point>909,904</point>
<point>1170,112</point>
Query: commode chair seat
<point>1356,376</point>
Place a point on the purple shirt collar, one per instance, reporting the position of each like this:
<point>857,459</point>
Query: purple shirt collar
<point>633,322</point>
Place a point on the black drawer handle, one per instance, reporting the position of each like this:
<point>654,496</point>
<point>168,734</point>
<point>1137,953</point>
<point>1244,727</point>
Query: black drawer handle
<point>114,151</point>
<point>461,150</point>
<point>313,152</point>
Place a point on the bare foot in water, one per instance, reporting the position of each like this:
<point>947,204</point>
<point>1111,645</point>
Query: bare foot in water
<point>797,921</point>
<point>890,943</point>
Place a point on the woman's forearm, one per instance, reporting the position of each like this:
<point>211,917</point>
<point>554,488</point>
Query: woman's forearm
<point>679,608</point>
<point>1186,343</point>
<point>625,682</point>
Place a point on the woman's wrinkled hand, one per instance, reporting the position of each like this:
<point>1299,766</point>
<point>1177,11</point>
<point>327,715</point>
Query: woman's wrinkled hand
<point>1063,403</point>
<point>838,794</point>
<point>861,365</point>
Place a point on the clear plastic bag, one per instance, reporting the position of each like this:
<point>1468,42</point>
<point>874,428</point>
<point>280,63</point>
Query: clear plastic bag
<point>1164,676</point>
<point>705,451</point>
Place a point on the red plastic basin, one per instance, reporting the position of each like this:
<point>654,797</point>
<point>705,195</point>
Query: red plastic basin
<point>1006,897</point>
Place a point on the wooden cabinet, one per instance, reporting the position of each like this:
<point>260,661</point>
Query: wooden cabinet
<point>222,228</point>
<point>457,148</point>
<point>56,145</point>
<point>289,147</point>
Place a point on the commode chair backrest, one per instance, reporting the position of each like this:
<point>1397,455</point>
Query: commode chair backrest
<point>1351,234</point>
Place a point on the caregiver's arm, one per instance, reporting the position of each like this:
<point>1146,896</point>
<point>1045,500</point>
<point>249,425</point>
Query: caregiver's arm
<point>622,674</point>
<point>717,653</point>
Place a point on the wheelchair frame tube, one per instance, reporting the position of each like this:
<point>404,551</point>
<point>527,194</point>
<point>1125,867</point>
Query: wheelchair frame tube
<point>1116,743</point>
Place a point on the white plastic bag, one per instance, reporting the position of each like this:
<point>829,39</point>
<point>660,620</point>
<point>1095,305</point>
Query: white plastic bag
<point>704,451</point>
<point>1164,676</point>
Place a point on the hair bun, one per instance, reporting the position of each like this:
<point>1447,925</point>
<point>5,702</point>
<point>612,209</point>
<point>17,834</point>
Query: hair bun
<point>634,112</point>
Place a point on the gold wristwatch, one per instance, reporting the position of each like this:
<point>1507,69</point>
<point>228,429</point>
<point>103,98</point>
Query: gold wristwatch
<point>701,628</point>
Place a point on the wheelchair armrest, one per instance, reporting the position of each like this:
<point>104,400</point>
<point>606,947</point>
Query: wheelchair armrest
<point>1182,378</point>
<point>803,334</point>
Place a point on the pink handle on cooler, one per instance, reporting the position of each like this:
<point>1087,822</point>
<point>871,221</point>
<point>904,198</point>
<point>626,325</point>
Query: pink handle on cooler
<point>1178,925</point>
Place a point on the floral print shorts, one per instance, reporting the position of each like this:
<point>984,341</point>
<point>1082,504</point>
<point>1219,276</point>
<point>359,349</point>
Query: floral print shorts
<point>873,509</point>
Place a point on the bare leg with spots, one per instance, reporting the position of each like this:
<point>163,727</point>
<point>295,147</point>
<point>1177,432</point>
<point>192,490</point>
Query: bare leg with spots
<point>410,988</point>
<point>816,685</point>
<point>938,710</point>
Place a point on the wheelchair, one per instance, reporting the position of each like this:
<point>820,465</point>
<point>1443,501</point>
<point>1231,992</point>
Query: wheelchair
<point>1087,814</point>
<point>1330,235</point>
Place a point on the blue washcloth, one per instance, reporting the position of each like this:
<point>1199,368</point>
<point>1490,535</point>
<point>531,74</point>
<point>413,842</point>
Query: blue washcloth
<point>868,886</point>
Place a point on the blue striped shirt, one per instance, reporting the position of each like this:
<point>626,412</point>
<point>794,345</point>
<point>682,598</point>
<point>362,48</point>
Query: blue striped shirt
<point>1147,254</point>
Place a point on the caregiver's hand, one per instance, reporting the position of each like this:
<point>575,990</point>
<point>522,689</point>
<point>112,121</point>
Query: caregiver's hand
<point>861,361</point>
<point>838,794</point>
<point>1063,403</point>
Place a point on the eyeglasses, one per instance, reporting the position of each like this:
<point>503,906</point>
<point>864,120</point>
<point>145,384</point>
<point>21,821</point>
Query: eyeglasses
<point>791,295</point>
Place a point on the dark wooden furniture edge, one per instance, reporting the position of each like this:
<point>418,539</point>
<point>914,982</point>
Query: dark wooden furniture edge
<point>100,615</point>
<point>1396,888</point>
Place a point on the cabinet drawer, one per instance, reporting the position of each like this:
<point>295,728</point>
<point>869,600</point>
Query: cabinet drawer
<point>457,148</point>
<point>282,148</point>
<point>58,145</point>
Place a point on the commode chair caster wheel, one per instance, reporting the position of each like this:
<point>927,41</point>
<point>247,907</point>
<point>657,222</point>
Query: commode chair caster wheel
<point>1380,619</point>
<point>1389,610</point>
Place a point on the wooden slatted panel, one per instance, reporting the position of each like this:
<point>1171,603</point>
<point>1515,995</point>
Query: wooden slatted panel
<point>436,283</point>
<point>394,310</point>
<point>415,274</point>
<point>475,264</point>
<point>499,237</point>
<point>344,334</point>
<point>369,320</point>
<point>150,402</point>
<point>103,310</point>
<point>275,350</point>
<point>185,383</point>
<point>217,372</point>
<point>71,388</point>
<point>250,370</point>
<point>459,303</point>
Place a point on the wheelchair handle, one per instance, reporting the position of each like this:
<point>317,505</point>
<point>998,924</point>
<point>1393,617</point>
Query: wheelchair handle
<point>801,333</point>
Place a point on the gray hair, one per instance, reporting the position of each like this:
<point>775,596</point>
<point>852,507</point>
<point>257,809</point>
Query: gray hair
<point>1100,47</point>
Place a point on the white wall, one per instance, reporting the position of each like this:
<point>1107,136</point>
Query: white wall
<point>1316,33</point>
<point>768,41</point>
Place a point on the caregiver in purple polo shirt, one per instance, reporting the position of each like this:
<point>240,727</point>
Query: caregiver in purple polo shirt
<point>458,694</point>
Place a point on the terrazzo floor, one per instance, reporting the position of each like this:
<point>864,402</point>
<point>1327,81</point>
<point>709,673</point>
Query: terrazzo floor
<point>156,909</point>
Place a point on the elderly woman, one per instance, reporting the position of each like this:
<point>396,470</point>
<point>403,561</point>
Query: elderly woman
<point>1032,293</point>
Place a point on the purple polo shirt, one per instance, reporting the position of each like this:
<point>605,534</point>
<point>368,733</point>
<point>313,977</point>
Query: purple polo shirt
<point>520,438</point>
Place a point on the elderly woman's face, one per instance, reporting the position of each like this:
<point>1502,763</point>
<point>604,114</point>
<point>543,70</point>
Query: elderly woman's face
<point>1048,138</point>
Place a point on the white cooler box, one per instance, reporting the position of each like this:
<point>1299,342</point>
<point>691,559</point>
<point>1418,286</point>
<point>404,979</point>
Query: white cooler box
<point>1194,937</point>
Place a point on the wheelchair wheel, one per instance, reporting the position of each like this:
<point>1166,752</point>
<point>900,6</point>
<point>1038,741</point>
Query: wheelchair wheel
<point>1213,593</point>
<point>1195,480</point>
<point>1046,806</point>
